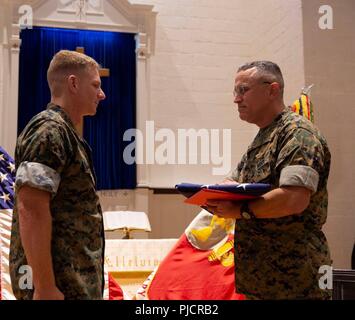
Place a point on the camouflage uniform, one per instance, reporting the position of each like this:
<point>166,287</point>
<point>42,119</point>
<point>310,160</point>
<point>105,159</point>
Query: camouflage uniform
<point>279,258</point>
<point>52,157</point>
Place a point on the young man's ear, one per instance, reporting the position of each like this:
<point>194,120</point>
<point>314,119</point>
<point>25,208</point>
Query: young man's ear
<point>72,83</point>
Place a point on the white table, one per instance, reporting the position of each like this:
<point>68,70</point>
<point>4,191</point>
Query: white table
<point>131,261</point>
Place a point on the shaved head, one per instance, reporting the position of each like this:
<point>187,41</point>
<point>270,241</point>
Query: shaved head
<point>64,64</point>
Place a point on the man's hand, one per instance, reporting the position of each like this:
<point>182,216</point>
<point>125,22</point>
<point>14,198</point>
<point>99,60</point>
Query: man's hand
<point>228,181</point>
<point>50,293</point>
<point>277,203</point>
<point>224,208</point>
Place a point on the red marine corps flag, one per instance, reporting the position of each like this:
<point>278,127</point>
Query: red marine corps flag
<point>199,267</point>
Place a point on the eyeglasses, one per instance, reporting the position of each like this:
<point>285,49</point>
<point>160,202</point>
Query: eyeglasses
<point>242,90</point>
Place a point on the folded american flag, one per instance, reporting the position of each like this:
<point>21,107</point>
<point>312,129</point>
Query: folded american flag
<point>254,189</point>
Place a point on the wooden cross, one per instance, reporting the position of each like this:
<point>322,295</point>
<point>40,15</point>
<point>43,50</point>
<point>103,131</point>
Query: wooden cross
<point>103,72</point>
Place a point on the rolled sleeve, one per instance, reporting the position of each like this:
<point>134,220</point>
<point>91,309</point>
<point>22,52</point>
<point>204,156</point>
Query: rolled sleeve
<point>299,176</point>
<point>37,175</point>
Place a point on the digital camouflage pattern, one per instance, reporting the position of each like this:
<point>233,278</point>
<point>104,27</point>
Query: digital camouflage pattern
<point>279,258</point>
<point>50,147</point>
<point>44,178</point>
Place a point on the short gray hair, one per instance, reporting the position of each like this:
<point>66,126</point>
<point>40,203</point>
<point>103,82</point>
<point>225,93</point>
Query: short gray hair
<point>267,70</point>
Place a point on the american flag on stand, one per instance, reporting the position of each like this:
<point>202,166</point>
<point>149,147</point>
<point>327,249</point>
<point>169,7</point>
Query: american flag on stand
<point>7,187</point>
<point>7,180</point>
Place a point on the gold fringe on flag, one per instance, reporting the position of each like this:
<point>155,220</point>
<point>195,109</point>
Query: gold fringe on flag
<point>303,105</point>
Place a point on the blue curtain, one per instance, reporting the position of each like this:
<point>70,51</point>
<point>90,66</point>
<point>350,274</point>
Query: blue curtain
<point>117,113</point>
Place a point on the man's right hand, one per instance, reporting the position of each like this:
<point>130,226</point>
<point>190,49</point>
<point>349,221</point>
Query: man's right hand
<point>52,293</point>
<point>228,181</point>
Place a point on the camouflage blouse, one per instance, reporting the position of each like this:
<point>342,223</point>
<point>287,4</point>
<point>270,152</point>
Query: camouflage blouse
<point>52,157</point>
<point>280,258</point>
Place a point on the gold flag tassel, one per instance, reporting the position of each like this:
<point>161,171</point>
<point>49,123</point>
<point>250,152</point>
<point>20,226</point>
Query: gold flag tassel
<point>303,105</point>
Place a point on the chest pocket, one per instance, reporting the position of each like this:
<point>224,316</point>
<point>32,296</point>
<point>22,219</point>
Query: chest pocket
<point>263,165</point>
<point>259,165</point>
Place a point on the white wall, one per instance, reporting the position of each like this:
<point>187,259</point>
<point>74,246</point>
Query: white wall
<point>2,24</point>
<point>278,36</point>
<point>199,45</point>
<point>330,65</point>
<point>4,78</point>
